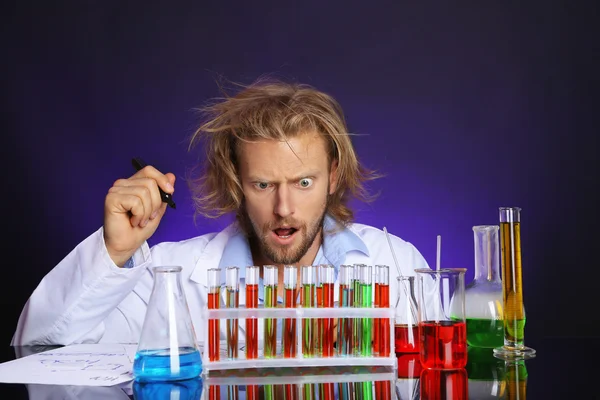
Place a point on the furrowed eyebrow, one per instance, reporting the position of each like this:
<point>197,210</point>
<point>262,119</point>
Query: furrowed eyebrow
<point>309,174</point>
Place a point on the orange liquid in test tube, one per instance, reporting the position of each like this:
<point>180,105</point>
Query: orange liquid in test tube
<point>214,301</point>
<point>290,279</point>
<point>252,274</point>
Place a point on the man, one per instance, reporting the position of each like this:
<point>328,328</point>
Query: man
<point>280,157</point>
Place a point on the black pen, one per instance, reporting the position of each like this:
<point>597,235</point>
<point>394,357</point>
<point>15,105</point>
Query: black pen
<point>166,197</point>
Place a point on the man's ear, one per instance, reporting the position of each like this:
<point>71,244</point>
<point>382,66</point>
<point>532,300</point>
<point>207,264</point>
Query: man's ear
<point>333,177</point>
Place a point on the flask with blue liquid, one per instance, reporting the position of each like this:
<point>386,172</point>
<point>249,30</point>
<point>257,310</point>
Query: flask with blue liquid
<point>167,349</point>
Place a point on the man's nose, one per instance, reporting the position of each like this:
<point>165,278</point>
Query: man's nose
<point>283,202</point>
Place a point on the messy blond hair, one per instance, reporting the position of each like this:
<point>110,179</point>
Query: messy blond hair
<point>275,110</point>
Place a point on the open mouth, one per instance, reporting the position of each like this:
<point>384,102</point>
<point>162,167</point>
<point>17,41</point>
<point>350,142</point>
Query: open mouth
<point>284,233</point>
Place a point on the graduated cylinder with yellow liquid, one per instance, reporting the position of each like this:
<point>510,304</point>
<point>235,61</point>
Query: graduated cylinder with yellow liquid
<point>512,287</point>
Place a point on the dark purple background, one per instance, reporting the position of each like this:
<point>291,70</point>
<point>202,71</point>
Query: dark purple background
<point>464,108</point>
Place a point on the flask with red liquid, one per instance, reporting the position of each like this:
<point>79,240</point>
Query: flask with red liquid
<point>406,332</point>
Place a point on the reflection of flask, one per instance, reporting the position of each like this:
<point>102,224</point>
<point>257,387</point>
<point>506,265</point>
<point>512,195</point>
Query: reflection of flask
<point>188,389</point>
<point>406,329</point>
<point>486,374</point>
<point>441,384</point>
<point>483,296</point>
<point>409,373</point>
<point>167,349</point>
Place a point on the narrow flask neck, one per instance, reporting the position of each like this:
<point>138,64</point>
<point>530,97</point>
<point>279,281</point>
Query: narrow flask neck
<point>487,253</point>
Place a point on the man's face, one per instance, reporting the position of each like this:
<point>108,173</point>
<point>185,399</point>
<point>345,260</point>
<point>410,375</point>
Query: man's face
<point>286,186</point>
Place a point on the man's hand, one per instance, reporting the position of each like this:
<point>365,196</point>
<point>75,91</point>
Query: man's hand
<point>133,210</point>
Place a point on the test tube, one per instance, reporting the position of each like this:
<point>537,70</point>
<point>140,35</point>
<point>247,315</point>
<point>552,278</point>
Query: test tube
<point>326,332</point>
<point>383,330</point>
<point>270,324</point>
<point>356,326</point>
<point>290,279</point>
<point>214,298</point>
<point>232,300</point>
<point>376,321</point>
<point>252,275</point>
<point>346,299</point>
<point>318,335</point>
<point>309,296</point>
<point>366,302</point>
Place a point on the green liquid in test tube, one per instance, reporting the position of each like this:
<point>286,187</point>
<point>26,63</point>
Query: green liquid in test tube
<point>309,297</point>
<point>232,300</point>
<point>345,334</point>
<point>356,328</point>
<point>366,290</point>
<point>270,324</point>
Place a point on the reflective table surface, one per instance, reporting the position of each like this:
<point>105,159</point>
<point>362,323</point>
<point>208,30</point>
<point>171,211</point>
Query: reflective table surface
<point>564,368</point>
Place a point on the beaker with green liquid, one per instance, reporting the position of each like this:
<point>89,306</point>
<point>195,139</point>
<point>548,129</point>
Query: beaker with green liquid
<point>483,295</point>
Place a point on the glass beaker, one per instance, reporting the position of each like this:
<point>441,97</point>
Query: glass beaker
<point>167,349</point>
<point>512,287</point>
<point>442,325</point>
<point>483,295</point>
<point>406,326</point>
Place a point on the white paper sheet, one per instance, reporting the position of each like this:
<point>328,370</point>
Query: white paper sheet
<point>79,364</point>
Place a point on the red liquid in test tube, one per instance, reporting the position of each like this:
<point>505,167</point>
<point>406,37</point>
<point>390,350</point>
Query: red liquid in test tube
<point>327,274</point>
<point>290,279</point>
<point>376,304</point>
<point>214,299</point>
<point>252,275</point>
<point>383,330</point>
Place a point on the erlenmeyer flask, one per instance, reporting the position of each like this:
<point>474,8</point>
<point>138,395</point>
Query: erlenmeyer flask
<point>188,389</point>
<point>167,349</point>
<point>483,295</point>
<point>406,326</point>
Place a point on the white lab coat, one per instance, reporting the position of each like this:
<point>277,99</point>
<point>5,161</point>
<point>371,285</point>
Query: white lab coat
<point>86,298</point>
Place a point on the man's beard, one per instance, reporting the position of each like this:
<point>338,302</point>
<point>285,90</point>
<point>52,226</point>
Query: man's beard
<point>285,255</point>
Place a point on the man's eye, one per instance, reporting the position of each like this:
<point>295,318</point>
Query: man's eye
<point>306,182</point>
<point>262,185</point>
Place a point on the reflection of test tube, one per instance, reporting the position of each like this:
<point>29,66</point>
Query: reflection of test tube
<point>252,275</point>
<point>384,302</point>
<point>270,324</point>
<point>366,301</point>
<point>214,298</point>
<point>346,299</point>
<point>326,332</point>
<point>290,278</point>
<point>232,300</point>
<point>309,325</point>
<point>326,391</point>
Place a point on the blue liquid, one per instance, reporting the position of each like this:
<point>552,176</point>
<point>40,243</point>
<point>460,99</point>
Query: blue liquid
<point>155,365</point>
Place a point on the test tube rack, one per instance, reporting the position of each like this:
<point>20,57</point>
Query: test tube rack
<point>300,360</point>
